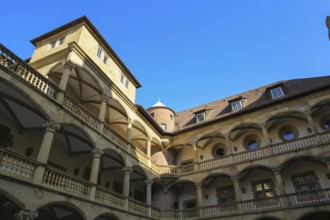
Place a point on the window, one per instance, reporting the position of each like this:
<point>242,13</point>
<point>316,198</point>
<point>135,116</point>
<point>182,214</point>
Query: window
<point>105,60</point>
<point>264,189</point>
<point>325,123</point>
<point>288,133</point>
<point>305,182</point>
<point>53,44</point>
<point>163,126</point>
<point>189,204</point>
<point>200,117</point>
<point>122,77</point>
<point>126,84</point>
<point>236,105</point>
<point>252,142</point>
<point>99,52</point>
<point>152,114</point>
<point>171,117</point>
<point>219,150</point>
<point>277,92</point>
<point>226,195</point>
<point>61,40</point>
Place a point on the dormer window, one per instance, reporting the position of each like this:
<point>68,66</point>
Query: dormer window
<point>57,42</point>
<point>200,117</point>
<point>236,105</point>
<point>277,92</point>
<point>61,40</point>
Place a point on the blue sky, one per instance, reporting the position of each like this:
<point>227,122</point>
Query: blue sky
<point>188,53</point>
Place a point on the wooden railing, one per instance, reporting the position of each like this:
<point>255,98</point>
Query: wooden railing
<point>66,182</point>
<point>17,165</point>
<point>27,73</point>
<point>109,198</point>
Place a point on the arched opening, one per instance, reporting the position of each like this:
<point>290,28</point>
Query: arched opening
<point>107,216</point>
<point>184,195</point>
<point>139,137</point>
<point>59,211</point>
<point>137,184</point>
<point>8,206</point>
<point>320,215</point>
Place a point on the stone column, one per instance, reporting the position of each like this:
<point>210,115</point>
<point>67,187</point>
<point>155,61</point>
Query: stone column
<point>149,150</point>
<point>44,151</point>
<point>279,181</point>
<point>196,166</point>
<point>68,67</point>
<point>265,133</point>
<point>130,122</point>
<point>311,122</point>
<point>199,199</point>
<point>102,111</point>
<point>280,186</point>
<point>97,154</point>
<point>127,173</point>
<point>149,199</point>
<point>228,143</point>
<point>47,141</point>
<point>238,193</point>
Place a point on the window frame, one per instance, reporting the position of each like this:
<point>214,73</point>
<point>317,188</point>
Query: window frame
<point>163,126</point>
<point>99,52</point>
<point>276,92</point>
<point>236,105</point>
<point>226,196</point>
<point>198,119</point>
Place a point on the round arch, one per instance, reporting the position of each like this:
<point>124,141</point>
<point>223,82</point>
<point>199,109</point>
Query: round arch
<point>60,211</point>
<point>9,205</point>
<point>319,215</point>
<point>107,216</point>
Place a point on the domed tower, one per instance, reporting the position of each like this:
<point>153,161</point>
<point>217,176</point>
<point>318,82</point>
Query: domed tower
<point>163,115</point>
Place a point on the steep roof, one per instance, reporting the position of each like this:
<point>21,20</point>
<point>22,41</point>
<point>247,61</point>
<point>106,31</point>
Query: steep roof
<point>85,20</point>
<point>253,99</point>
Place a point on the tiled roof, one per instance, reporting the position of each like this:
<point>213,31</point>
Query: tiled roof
<point>254,98</point>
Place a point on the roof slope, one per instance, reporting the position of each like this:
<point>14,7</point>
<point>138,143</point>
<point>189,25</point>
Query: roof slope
<point>254,98</point>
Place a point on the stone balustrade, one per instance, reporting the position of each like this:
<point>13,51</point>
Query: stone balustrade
<point>65,182</point>
<point>109,198</point>
<point>17,165</point>
<point>138,207</point>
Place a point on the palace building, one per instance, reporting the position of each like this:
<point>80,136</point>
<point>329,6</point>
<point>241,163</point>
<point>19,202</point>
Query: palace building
<point>74,145</point>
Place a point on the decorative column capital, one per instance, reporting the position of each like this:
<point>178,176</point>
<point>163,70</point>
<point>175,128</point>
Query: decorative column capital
<point>277,171</point>
<point>149,183</point>
<point>148,139</point>
<point>127,170</point>
<point>97,153</point>
<point>69,65</point>
<point>104,97</point>
<point>52,126</point>
<point>234,178</point>
<point>130,122</point>
<point>199,185</point>
<point>26,215</point>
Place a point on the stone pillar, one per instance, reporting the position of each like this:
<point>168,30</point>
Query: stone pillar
<point>96,153</point>
<point>47,141</point>
<point>127,173</point>
<point>311,122</point>
<point>149,150</point>
<point>238,193</point>
<point>265,133</point>
<point>26,215</point>
<point>196,166</point>
<point>199,199</point>
<point>279,181</point>
<point>68,67</point>
<point>103,107</point>
<point>228,143</point>
<point>44,151</point>
<point>130,122</point>
<point>149,199</point>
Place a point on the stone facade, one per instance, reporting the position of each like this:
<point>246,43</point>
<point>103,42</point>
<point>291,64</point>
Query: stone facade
<point>74,145</point>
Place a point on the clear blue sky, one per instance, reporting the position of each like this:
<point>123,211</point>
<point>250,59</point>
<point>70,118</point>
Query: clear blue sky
<point>188,53</point>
